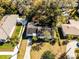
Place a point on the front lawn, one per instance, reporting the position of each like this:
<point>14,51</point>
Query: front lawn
<point>16,32</point>
<point>4,56</point>
<point>38,50</point>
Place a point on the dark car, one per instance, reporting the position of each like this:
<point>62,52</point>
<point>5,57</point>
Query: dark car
<point>77,44</point>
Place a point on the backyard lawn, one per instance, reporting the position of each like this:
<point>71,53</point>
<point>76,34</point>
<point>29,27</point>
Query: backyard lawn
<point>8,46</point>
<point>4,56</point>
<point>22,49</point>
<point>55,49</point>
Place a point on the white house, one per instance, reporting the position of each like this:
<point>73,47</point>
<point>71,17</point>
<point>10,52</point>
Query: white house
<point>72,28</point>
<point>7,26</point>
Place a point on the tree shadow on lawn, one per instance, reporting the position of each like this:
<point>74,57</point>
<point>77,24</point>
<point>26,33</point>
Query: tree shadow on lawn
<point>61,33</point>
<point>63,56</point>
<point>37,47</point>
<point>1,44</point>
<point>53,42</point>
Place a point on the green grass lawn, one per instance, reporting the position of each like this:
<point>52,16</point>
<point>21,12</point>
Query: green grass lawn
<point>16,32</point>
<point>4,56</point>
<point>8,46</point>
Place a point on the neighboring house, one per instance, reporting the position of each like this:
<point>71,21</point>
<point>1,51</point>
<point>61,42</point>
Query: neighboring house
<point>7,26</point>
<point>40,32</point>
<point>31,30</point>
<point>72,28</point>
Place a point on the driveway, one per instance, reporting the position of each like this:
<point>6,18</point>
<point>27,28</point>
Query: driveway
<point>28,49</point>
<point>70,49</point>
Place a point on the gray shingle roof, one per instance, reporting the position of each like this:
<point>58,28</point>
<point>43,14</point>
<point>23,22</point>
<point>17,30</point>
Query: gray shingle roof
<point>6,25</point>
<point>31,30</point>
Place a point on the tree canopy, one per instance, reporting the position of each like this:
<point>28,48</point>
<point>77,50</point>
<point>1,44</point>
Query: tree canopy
<point>48,55</point>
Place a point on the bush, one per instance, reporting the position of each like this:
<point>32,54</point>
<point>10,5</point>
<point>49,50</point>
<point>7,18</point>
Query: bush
<point>77,50</point>
<point>34,38</point>
<point>48,55</point>
<point>70,37</point>
<point>53,42</point>
<point>65,42</point>
<point>18,24</point>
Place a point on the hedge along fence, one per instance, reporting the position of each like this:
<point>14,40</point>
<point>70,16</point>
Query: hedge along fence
<point>56,35</point>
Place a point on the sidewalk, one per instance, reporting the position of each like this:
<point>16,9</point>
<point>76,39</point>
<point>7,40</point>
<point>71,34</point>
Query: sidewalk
<point>6,53</point>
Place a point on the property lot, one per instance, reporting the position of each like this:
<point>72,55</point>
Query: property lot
<point>38,50</point>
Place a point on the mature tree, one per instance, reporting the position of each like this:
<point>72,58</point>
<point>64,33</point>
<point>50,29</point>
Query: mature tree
<point>2,11</point>
<point>37,2</point>
<point>27,11</point>
<point>10,7</point>
<point>48,55</point>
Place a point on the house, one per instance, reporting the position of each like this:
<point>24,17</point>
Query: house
<point>31,30</point>
<point>7,26</point>
<point>39,31</point>
<point>72,28</point>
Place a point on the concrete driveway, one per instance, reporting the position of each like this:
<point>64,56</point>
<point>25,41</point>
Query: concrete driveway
<point>28,49</point>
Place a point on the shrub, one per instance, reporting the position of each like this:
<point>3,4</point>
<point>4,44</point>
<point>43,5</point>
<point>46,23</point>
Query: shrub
<point>48,55</point>
<point>77,56</point>
<point>70,37</point>
<point>34,38</point>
